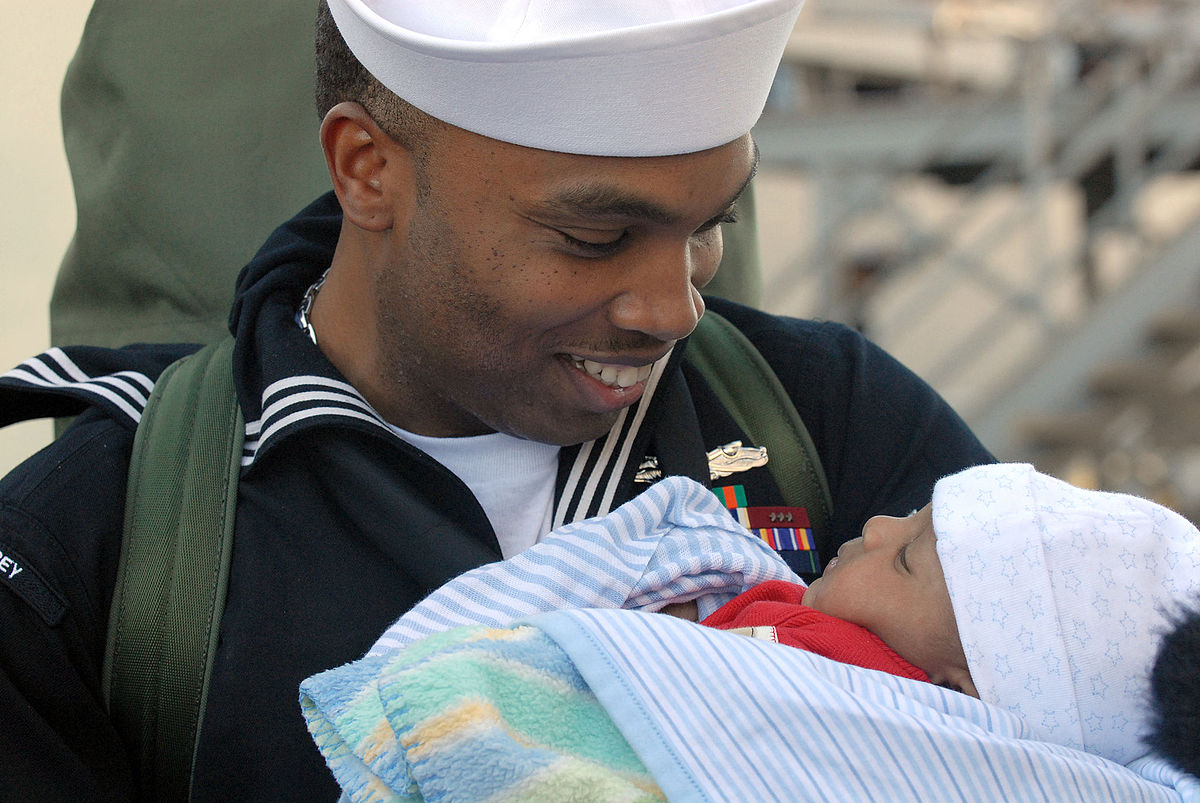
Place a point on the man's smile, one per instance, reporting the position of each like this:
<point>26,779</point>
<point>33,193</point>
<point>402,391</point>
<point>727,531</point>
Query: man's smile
<point>615,376</point>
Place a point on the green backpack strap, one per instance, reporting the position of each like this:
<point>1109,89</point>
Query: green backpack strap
<point>171,580</point>
<point>754,397</point>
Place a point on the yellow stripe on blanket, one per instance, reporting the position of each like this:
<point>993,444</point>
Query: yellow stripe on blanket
<point>464,721</point>
<point>382,739</point>
<point>571,778</point>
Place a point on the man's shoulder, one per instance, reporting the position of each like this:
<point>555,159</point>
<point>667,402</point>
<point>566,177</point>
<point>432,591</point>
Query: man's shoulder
<point>62,509</point>
<point>763,328</point>
<point>789,344</point>
<point>61,513</point>
<point>62,382</point>
<point>828,367</point>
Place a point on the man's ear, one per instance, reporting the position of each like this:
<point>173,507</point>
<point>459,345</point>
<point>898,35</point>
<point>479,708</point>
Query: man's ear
<point>365,164</point>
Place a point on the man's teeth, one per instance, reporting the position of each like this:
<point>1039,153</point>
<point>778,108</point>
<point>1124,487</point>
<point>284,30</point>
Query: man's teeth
<point>617,376</point>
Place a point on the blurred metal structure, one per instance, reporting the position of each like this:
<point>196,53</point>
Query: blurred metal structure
<point>1001,195</point>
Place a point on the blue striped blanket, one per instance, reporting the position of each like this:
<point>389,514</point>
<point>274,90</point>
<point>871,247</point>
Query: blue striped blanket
<point>592,702</point>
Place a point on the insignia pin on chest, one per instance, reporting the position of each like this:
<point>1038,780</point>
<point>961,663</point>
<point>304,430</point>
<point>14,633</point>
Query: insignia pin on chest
<point>733,458</point>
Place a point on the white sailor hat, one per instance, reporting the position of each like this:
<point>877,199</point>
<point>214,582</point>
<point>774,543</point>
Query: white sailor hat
<point>599,77</point>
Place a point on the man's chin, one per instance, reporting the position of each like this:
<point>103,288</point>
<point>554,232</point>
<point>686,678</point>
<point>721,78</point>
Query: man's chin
<point>567,432</point>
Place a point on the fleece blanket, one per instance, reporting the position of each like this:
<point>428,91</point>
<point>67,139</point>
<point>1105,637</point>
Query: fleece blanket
<point>476,713</point>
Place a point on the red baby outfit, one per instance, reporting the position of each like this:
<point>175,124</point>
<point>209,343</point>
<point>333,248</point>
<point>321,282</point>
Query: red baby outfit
<point>778,606</point>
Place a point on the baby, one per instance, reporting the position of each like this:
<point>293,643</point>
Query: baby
<point>1015,588</point>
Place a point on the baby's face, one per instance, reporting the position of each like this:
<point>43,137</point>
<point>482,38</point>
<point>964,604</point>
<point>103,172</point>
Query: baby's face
<point>890,581</point>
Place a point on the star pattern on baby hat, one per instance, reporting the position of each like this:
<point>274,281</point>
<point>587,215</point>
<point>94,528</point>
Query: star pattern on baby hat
<point>1052,663</point>
<point>999,613</point>
<point>1151,562</point>
<point>1079,634</point>
<point>1069,579</point>
<point>1025,639</point>
<point>1078,541</point>
<point>1036,605</point>
<point>975,610</point>
<point>1032,554</point>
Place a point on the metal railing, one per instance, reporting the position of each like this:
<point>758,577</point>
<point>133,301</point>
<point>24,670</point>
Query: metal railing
<point>1014,292</point>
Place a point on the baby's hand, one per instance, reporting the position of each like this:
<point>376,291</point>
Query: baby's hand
<point>683,610</point>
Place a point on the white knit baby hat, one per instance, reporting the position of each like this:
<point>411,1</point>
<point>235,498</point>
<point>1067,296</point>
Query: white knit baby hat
<point>599,77</point>
<point>1061,596</point>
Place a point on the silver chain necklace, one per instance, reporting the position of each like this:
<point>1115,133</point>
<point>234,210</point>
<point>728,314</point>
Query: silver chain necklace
<point>310,295</point>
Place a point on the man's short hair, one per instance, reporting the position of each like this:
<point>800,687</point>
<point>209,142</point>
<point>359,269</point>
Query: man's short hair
<point>341,77</point>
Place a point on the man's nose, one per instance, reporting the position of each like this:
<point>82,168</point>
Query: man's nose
<point>661,297</point>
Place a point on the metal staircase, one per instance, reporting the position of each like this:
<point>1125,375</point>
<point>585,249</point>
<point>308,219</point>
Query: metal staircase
<point>1017,292</point>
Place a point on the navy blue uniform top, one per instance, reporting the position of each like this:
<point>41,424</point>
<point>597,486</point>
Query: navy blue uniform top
<point>341,526</point>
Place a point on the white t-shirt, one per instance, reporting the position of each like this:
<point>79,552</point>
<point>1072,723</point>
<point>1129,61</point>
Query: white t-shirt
<point>512,478</point>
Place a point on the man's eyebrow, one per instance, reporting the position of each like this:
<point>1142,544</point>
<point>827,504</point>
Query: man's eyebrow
<point>606,201</point>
